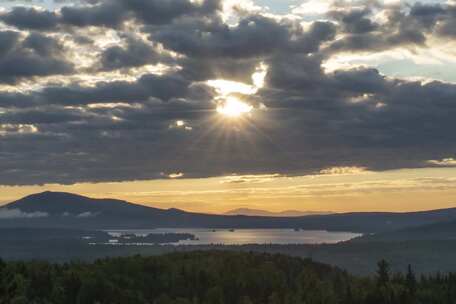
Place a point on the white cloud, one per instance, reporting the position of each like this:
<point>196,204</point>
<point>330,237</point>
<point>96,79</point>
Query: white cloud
<point>86,214</point>
<point>6,213</point>
<point>344,171</point>
<point>7,129</point>
<point>313,8</point>
<point>446,162</point>
<point>252,179</point>
<point>180,124</point>
<point>176,175</point>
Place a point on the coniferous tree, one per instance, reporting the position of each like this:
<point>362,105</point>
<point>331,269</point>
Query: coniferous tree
<point>383,273</point>
<point>411,281</point>
<point>215,278</point>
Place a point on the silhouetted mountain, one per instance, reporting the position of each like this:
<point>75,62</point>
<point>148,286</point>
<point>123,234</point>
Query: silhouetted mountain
<point>59,209</point>
<point>286,213</point>
<point>73,205</point>
<point>55,209</point>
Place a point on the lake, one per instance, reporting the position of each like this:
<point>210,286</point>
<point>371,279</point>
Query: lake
<point>249,236</point>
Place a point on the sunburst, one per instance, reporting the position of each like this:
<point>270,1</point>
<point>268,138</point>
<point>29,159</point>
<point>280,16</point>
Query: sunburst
<point>233,107</point>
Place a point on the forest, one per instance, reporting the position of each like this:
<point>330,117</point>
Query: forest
<point>214,277</point>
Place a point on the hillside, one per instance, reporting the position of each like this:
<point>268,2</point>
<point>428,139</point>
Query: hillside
<point>213,277</point>
<point>73,205</point>
<point>56,209</point>
<point>431,232</point>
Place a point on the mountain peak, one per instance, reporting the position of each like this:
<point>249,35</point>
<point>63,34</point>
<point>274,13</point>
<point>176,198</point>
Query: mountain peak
<point>53,194</point>
<point>57,203</point>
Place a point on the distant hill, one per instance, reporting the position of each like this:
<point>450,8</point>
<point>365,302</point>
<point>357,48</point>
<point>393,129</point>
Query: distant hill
<point>286,213</point>
<point>72,205</point>
<point>431,232</point>
<point>66,210</point>
<point>60,209</point>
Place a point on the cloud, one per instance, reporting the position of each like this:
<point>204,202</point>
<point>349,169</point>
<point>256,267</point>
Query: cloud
<point>87,214</point>
<point>81,215</point>
<point>312,8</point>
<point>136,53</point>
<point>176,175</point>
<point>148,86</point>
<point>253,36</point>
<point>362,30</point>
<point>344,171</point>
<point>9,129</point>
<point>105,14</point>
<point>105,90</point>
<point>30,18</point>
<point>34,55</point>
<point>307,187</point>
<point>6,213</point>
<point>109,14</point>
<point>446,162</point>
<point>250,179</point>
<point>153,12</point>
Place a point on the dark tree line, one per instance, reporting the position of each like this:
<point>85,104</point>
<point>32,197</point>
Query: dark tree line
<point>214,277</point>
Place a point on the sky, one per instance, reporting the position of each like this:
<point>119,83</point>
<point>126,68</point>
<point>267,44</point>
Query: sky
<point>212,105</point>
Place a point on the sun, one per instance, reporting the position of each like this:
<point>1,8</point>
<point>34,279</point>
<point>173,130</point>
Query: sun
<point>234,108</point>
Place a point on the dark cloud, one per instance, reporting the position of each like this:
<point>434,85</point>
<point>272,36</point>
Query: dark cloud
<point>358,117</point>
<point>42,45</point>
<point>147,86</point>
<point>253,37</point>
<point>355,21</point>
<point>136,53</point>
<point>107,13</point>
<point>36,55</point>
<point>161,12</point>
<point>447,26</point>
<point>42,115</point>
<point>30,19</point>
<point>162,87</point>
<point>402,28</point>
<point>427,14</point>
<point>93,128</point>
<point>201,69</point>
<point>8,40</point>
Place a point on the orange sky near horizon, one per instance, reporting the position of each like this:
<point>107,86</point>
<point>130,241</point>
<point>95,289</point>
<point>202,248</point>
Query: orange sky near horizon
<point>336,190</point>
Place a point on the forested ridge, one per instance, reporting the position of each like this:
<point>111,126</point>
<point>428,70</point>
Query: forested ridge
<point>214,277</point>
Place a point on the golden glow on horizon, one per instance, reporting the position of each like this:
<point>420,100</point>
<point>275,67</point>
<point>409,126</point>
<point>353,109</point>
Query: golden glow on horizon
<point>397,190</point>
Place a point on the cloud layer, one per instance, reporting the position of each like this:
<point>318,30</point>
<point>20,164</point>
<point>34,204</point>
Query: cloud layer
<point>17,213</point>
<point>118,90</point>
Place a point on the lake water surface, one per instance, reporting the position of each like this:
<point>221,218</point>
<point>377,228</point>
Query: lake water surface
<point>250,236</point>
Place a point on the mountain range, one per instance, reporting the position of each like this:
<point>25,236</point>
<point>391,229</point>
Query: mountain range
<point>286,213</point>
<point>66,210</point>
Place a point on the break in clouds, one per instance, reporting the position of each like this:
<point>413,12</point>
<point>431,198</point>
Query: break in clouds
<point>122,90</point>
